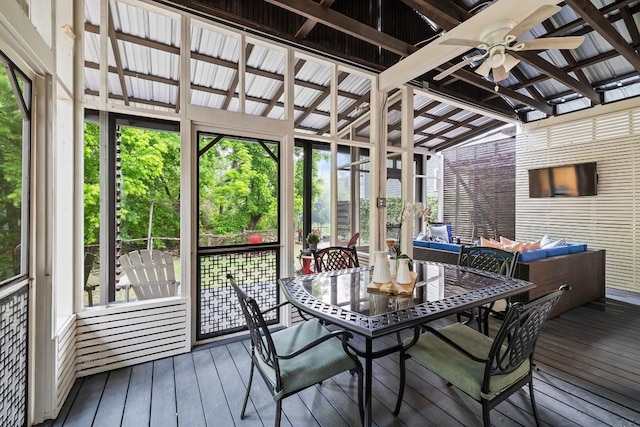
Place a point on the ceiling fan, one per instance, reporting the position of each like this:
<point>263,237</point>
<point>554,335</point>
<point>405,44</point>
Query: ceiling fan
<point>500,38</point>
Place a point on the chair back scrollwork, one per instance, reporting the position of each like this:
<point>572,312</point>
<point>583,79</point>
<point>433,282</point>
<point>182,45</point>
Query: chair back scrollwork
<point>516,340</point>
<point>260,336</point>
<point>489,259</point>
<point>336,258</point>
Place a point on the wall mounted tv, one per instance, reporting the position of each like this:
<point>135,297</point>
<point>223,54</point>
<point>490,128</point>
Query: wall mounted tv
<point>564,181</point>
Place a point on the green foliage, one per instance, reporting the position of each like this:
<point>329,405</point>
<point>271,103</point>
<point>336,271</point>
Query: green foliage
<point>238,187</point>
<point>313,238</point>
<point>150,183</point>
<point>11,175</point>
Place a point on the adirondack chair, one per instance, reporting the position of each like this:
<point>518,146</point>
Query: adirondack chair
<point>150,274</point>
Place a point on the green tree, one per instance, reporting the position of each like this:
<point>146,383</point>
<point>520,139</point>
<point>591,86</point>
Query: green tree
<point>150,166</point>
<point>238,187</point>
<point>11,175</point>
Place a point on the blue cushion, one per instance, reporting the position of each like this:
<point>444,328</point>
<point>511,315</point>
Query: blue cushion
<point>560,250</point>
<point>422,243</point>
<point>576,247</point>
<point>532,255</point>
<point>450,247</point>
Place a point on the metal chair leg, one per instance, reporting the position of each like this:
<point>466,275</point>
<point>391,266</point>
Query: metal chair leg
<point>246,396</point>
<point>533,402</point>
<point>278,413</point>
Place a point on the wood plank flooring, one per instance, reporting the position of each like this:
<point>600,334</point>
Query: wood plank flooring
<point>589,375</point>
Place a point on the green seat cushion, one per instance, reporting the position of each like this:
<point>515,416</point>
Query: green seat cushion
<point>317,364</point>
<point>458,369</point>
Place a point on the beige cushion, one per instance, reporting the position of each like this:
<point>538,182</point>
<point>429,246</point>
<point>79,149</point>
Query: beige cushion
<point>458,369</point>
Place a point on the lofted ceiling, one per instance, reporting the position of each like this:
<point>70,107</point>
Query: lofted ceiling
<point>403,41</point>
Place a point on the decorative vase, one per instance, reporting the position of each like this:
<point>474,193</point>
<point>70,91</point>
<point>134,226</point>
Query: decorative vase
<point>381,271</point>
<point>313,246</point>
<point>403,275</point>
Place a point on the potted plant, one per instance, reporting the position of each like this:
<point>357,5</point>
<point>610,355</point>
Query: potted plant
<point>312,240</point>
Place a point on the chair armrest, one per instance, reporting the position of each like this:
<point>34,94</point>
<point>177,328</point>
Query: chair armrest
<point>283,304</point>
<point>334,334</point>
<point>274,307</point>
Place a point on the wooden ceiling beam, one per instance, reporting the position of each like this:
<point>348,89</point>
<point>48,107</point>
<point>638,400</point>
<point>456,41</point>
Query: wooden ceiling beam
<point>320,99</point>
<point>445,14</point>
<point>344,24</point>
<point>473,79</point>
<point>299,64</point>
<point>236,78</point>
<point>488,127</point>
<point>545,67</point>
<point>308,25</point>
<point>574,25</point>
<point>598,22</point>
<point>113,38</point>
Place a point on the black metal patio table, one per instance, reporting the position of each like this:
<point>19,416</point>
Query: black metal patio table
<point>346,298</point>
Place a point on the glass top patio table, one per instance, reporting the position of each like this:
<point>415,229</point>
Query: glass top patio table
<point>348,298</point>
<point>345,298</point>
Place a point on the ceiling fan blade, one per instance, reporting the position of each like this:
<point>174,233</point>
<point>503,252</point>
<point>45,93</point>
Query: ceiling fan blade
<point>500,73</point>
<point>552,43</point>
<point>462,42</point>
<point>484,69</point>
<point>540,14</point>
<point>456,67</point>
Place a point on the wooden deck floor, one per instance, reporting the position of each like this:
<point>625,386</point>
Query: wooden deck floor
<point>589,376</point>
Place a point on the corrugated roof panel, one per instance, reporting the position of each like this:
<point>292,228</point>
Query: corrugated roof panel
<point>462,115</point>
<point>316,121</point>
<point>266,59</point>
<point>420,101</point>
<point>209,75</point>
<point>437,128</point>
<point>393,137</point>
<point>605,70</point>
<point>261,87</point>
<point>622,93</point>
<point>574,105</point>
<point>254,108</point>
<point>364,132</point>
<point>355,84</point>
<point>420,121</point>
<point>555,57</point>
<point>214,44</point>
<point>92,79</point>
<point>455,132</point>
<point>441,109</point>
<point>304,96</point>
<point>113,83</point>
<point>145,23</point>
<point>344,103</point>
<point>207,99</point>
<point>92,49</point>
<point>394,117</point>
<point>325,105</point>
<point>234,105</point>
<point>147,60</point>
<point>314,72</point>
<point>481,121</point>
<point>276,112</point>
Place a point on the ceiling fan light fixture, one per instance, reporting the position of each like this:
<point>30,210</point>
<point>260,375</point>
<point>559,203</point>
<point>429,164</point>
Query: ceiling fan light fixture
<point>510,62</point>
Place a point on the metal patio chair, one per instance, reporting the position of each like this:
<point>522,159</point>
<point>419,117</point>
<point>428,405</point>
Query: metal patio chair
<point>335,258</point>
<point>295,358</point>
<point>489,370</point>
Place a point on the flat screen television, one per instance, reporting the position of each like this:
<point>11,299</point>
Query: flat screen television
<point>564,181</point>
